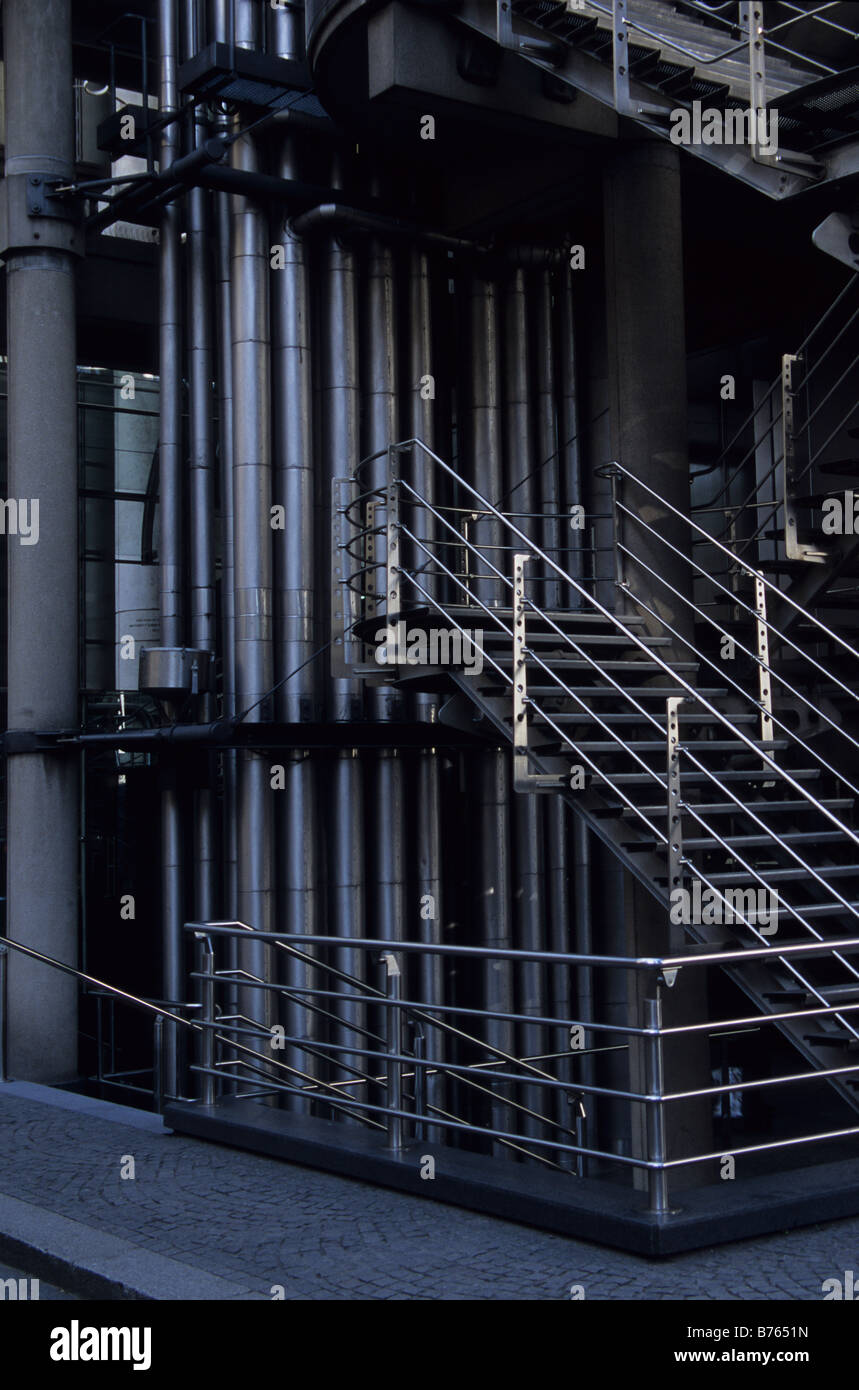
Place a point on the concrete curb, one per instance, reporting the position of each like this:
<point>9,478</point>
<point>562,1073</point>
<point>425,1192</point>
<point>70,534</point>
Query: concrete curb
<point>95,1265</point>
<point>82,1259</point>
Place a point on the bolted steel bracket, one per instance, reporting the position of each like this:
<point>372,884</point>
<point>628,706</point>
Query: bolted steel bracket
<point>34,216</point>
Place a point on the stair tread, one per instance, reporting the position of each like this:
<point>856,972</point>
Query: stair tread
<point>790,837</point>
<point>807,774</point>
<point>580,663</point>
<point>718,807</point>
<point>739,876</point>
<point>586,716</point>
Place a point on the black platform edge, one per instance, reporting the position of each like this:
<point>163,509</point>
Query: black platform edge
<point>582,1207</point>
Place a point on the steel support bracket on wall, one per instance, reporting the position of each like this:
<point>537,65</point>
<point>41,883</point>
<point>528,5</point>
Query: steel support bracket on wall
<point>32,741</point>
<point>33,216</point>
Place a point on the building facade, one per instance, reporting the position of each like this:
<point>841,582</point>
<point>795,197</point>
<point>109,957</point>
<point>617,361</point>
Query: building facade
<point>430,592</point>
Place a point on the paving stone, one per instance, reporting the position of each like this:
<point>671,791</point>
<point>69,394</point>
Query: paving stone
<point>198,1216</point>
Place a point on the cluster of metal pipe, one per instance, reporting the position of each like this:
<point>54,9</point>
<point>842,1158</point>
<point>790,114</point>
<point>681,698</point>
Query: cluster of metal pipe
<point>316,338</point>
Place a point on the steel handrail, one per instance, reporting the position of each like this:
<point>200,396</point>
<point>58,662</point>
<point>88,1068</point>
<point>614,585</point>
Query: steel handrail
<point>606,777</point>
<point>631,636</point>
<point>734,599</point>
<point>749,569</point>
<point>712,777</point>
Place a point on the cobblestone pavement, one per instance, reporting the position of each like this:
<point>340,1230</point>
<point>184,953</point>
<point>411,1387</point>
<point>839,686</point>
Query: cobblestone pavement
<point>257,1222</point>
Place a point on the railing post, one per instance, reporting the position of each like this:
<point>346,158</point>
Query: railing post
<point>763,651</point>
<point>752,21</point>
<point>394,1039</point>
<point>4,952</point>
<point>504,23</point>
<point>523,779</point>
<point>520,676</point>
<point>675,809</point>
<point>620,54</point>
<point>393,598</point>
<point>657,1178</point>
<point>419,1049</point>
<point>206,969</point>
<point>158,1063</point>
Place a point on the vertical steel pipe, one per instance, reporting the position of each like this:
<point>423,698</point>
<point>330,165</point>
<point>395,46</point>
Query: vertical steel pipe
<point>581,1007</point>
<point>339,416</point>
<point>419,411</point>
<point>531,924</point>
<point>493,768</point>
<point>547,460</point>
<point>171,509</point>
<point>294,552</point>
<point>346,901</point>
<point>380,395</point>
<point>493,898</point>
<point>519,491</point>
<point>223,300</point>
<point>252,538</point>
<point>486,433</point>
<point>201,475</point>
<point>570,491</point>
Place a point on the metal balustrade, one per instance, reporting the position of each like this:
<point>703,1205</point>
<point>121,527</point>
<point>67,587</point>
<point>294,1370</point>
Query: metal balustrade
<point>526,693</point>
<point>394,1089</point>
<point>650,60</point>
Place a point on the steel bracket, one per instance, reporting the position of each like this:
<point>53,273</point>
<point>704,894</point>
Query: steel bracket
<point>523,779</point>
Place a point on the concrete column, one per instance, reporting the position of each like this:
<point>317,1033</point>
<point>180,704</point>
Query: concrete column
<point>42,865</point>
<point>647,356</point>
<point>647,399</point>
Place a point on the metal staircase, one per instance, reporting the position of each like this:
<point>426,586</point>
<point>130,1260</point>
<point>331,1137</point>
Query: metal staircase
<point>710,767</point>
<point>650,60</point>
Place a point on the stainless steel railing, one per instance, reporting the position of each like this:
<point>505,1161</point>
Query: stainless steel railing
<point>162,1013</point>
<point>783,422</point>
<point>394,1095</point>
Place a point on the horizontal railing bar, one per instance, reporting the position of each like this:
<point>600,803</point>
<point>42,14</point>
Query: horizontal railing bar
<point>660,963</point>
<point>761,1148</point>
